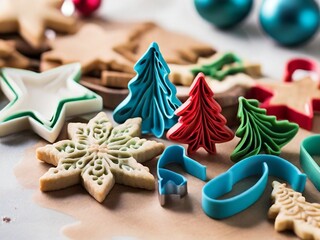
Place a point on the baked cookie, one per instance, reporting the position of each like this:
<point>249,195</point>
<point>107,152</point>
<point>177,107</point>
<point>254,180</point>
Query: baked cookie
<point>217,68</point>
<point>93,47</point>
<point>291,211</point>
<point>99,155</point>
<point>9,57</point>
<point>295,101</point>
<point>176,48</point>
<point>31,18</point>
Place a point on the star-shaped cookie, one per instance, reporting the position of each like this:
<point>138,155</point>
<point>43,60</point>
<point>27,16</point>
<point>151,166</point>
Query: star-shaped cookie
<point>99,155</point>
<point>42,101</point>
<point>31,18</point>
<point>93,47</point>
<point>295,101</point>
<point>9,57</point>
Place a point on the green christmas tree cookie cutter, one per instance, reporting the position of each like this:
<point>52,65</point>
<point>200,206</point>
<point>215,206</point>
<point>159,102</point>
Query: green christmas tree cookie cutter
<point>260,132</point>
<point>309,150</point>
<point>226,64</point>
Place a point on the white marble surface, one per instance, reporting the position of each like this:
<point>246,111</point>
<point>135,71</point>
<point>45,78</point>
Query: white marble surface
<point>30,221</point>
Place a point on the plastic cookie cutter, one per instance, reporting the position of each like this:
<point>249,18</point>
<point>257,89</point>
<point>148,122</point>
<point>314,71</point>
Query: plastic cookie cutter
<point>261,165</point>
<point>300,108</point>
<point>170,182</point>
<point>151,95</point>
<point>200,122</point>
<point>309,149</point>
<point>259,132</point>
<point>42,101</point>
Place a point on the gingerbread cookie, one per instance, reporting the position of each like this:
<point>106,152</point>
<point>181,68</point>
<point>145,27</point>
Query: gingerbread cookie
<point>93,47</point>
<point>291,211</point>
<point>99,155</point>
<point>31,18</point>
<point>9,57</point>
<point>177,48</point>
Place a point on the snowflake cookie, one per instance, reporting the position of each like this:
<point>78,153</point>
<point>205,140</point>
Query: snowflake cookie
<point>291,211</point>
<point>99,155</point>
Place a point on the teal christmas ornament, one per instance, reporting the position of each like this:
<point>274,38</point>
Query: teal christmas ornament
<point>290,22</point>
<point>151,95</point>
<point>223,13</point>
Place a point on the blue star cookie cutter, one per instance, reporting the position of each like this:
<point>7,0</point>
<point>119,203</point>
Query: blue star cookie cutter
<point>170,182</point>
<point>309,149</point>
<point>262,165</point>
<point>151,95</point>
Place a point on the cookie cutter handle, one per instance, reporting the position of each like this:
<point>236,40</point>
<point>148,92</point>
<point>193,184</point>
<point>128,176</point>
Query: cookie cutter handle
<point>300,64</point>
<point>221,185</point>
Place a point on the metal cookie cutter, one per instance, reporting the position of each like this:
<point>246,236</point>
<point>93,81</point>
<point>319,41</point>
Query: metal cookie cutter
<point>262,165</point>
<point>170,182</point>
<point>310,148</point>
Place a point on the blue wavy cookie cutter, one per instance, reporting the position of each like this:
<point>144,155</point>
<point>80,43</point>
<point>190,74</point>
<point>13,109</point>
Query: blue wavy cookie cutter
<point>151,95</point>
<point>170,182</point>
<point>309,149</point>
<point>261,165</point>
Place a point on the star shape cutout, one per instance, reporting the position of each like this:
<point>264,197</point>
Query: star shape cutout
<point>92,46</point>
<point>99,155</point>
<point>9,57</point>
<point>31,18</point>
<point>42,101</point>
<point>295,101</point>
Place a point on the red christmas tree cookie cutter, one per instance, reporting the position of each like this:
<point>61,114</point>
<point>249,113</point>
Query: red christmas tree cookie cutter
<point>200,124</point>
<point>295,101</point>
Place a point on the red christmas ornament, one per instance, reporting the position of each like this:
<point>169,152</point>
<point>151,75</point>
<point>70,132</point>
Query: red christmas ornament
<point>201,123</point>
<point>86,7</point>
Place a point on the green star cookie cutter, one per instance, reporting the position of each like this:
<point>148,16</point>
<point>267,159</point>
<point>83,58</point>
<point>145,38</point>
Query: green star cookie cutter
<point>41,101</point>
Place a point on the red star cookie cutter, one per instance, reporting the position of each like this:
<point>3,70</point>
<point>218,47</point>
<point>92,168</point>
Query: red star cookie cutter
<point>272,98</point>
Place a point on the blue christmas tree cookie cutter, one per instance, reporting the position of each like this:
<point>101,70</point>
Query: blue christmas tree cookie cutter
<point>261,165</point>
<point>151,95</point>
<point>309,149</point>
<point>170,182</point>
